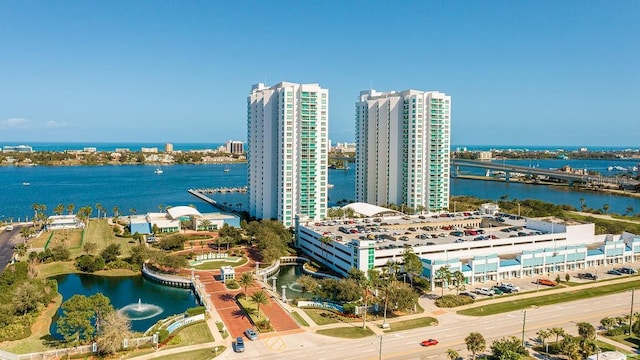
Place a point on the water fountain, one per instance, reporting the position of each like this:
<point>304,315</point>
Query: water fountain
<point>288,276</point>
<point>140,310</point>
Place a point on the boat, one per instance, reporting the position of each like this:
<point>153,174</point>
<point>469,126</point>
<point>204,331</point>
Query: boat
<point>26,183</point>
<point>330,186</point>
<point>610,168</point>
<point>158,171</point>
<point>226,169</point>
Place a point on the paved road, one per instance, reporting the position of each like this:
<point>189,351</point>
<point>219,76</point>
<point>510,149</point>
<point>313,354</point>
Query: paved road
<point>6,245</point>
<point>451,332</point>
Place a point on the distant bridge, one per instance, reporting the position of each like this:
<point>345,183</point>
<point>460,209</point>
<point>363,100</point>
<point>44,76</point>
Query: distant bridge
<point>571,178</point>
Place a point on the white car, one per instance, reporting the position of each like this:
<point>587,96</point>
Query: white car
<point>9,228</point>
<point>514,288</point>
<point>484,291</point>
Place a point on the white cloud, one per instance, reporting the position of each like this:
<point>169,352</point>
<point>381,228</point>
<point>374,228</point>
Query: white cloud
<point>56,124</point>
<point>15,123</point>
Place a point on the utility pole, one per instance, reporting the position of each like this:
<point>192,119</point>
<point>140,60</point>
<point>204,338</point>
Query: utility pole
<point>631,314</point>
<point>524,321</point>
<point>380,353</point>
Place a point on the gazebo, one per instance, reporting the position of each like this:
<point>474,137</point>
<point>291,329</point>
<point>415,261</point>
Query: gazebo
<point>227,273</point>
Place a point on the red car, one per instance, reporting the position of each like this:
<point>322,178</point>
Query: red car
<point>429,342</point>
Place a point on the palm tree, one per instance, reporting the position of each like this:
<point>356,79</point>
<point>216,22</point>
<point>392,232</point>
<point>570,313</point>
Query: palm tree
<point>605,208</point>
<point>21,249</point>
<point>557,331</point>
<point>259,298</point>
<point>475,343</point>
<point>246,280</point>
<point>444,275</point>
<point>70,209</point>
<point>116,213</point>
<point>132,211</point>
<point>458,278</point>
<point>205,224</point>
<point>202,246</point>
<point>543,335</point>
<point>325,241</point>
<point>452,354</point>
<point>586,331</point>
<point>608,322</point>
<point>59,209</point>
<point>99,208</point>
<point>629,210</point>
<point>583,205</point>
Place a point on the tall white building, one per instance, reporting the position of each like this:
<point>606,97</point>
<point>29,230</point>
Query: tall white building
<point>402,148</point>
<point>287,148</point>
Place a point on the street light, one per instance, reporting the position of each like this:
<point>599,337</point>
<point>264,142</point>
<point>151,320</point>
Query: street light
<point>633,291</point>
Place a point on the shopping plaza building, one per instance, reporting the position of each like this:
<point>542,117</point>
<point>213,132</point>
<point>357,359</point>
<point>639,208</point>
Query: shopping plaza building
<point>485,247</point>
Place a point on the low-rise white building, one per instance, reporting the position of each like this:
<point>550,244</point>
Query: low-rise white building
<point>480,246</point>
<point>57,222</point>
<point>172,220</point>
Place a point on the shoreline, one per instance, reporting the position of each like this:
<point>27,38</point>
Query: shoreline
<point>554,184</point>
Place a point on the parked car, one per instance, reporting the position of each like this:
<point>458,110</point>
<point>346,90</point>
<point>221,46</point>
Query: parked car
<point>429,342</point>
<point>484,291</point>
<point>469,294</point>
<point>251,335</point>
<point>614,272</point>
<point>547,282</point>
<point>9,228</point>
<point>239,345</point>
<point>627,270</point>
<point>512,287</point>
<point>588,276</point>
<point>496,290</point>
<point>504,289</point>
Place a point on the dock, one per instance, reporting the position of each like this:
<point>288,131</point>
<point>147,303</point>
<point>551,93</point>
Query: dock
<point>222,190</point>
<point>210,201</point>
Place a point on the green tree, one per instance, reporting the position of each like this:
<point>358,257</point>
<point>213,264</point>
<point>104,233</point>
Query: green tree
<point>605,208</point>
<point>259,298</point>
<point>558,331</point>
<point>70,209</point>
<point>544,335</point>
<point>205,224</point>
<point>444,275</point>
<point>452,354</point>
<point>246,280</point>
<point>586,330</point>
<point>509,348</point>
<point>111,253</point>
<point>89,247</point>
<point>571,348</point>
<point>357,275</point>
<point>116,213</point>
<point>79,314</point>
<point>607,323</point>
<point>412,264</point>
<point>26,298</point>
<point>307,284</point>
<point>59,209</point>
<point>629,210</point>
<point>475,343</point>
<point>458,279</point>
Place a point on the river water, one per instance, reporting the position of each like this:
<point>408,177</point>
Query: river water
<point>137,187</point>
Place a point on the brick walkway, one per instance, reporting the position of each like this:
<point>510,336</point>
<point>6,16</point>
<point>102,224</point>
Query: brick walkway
<point>234,318</point>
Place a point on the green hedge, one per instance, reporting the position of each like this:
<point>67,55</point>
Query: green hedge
<point>196,310</point>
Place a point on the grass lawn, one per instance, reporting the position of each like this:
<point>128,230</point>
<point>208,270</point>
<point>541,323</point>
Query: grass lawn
<point>632,341</point>
<point>100,232</point>
<point>39,333</point>
<point>56,268</point>
<point>40,241</point>
<point>547,299</point>
<point>299,319</point>
<point>220,326</point>
<point>201,354</point>
<point>323,317</point>
<point>195,334</point>
<point>251,309</point>
<point>217,264</point>
<point>69,238</point>
<point>412,324</point>
<point>347,332</point>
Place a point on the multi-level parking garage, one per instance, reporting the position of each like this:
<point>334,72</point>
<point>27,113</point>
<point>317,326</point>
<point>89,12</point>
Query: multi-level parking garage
<point>485,247</point>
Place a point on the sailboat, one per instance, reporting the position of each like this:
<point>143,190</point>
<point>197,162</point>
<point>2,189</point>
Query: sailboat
<point>226,169</point>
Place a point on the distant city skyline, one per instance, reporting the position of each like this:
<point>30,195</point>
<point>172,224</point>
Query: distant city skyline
<point>521,73</point>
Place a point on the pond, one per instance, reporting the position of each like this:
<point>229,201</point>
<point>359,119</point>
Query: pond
<point>288,275</point>
<point>143,301</point>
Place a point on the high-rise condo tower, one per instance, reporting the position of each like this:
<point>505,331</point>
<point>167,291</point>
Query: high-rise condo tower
<point>402,148</point>
<point>287,151</point>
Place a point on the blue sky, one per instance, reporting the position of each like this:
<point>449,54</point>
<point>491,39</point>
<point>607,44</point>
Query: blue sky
<point>519,72</point>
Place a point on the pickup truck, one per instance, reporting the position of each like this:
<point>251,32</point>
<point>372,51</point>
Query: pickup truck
<point>588,276</point>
